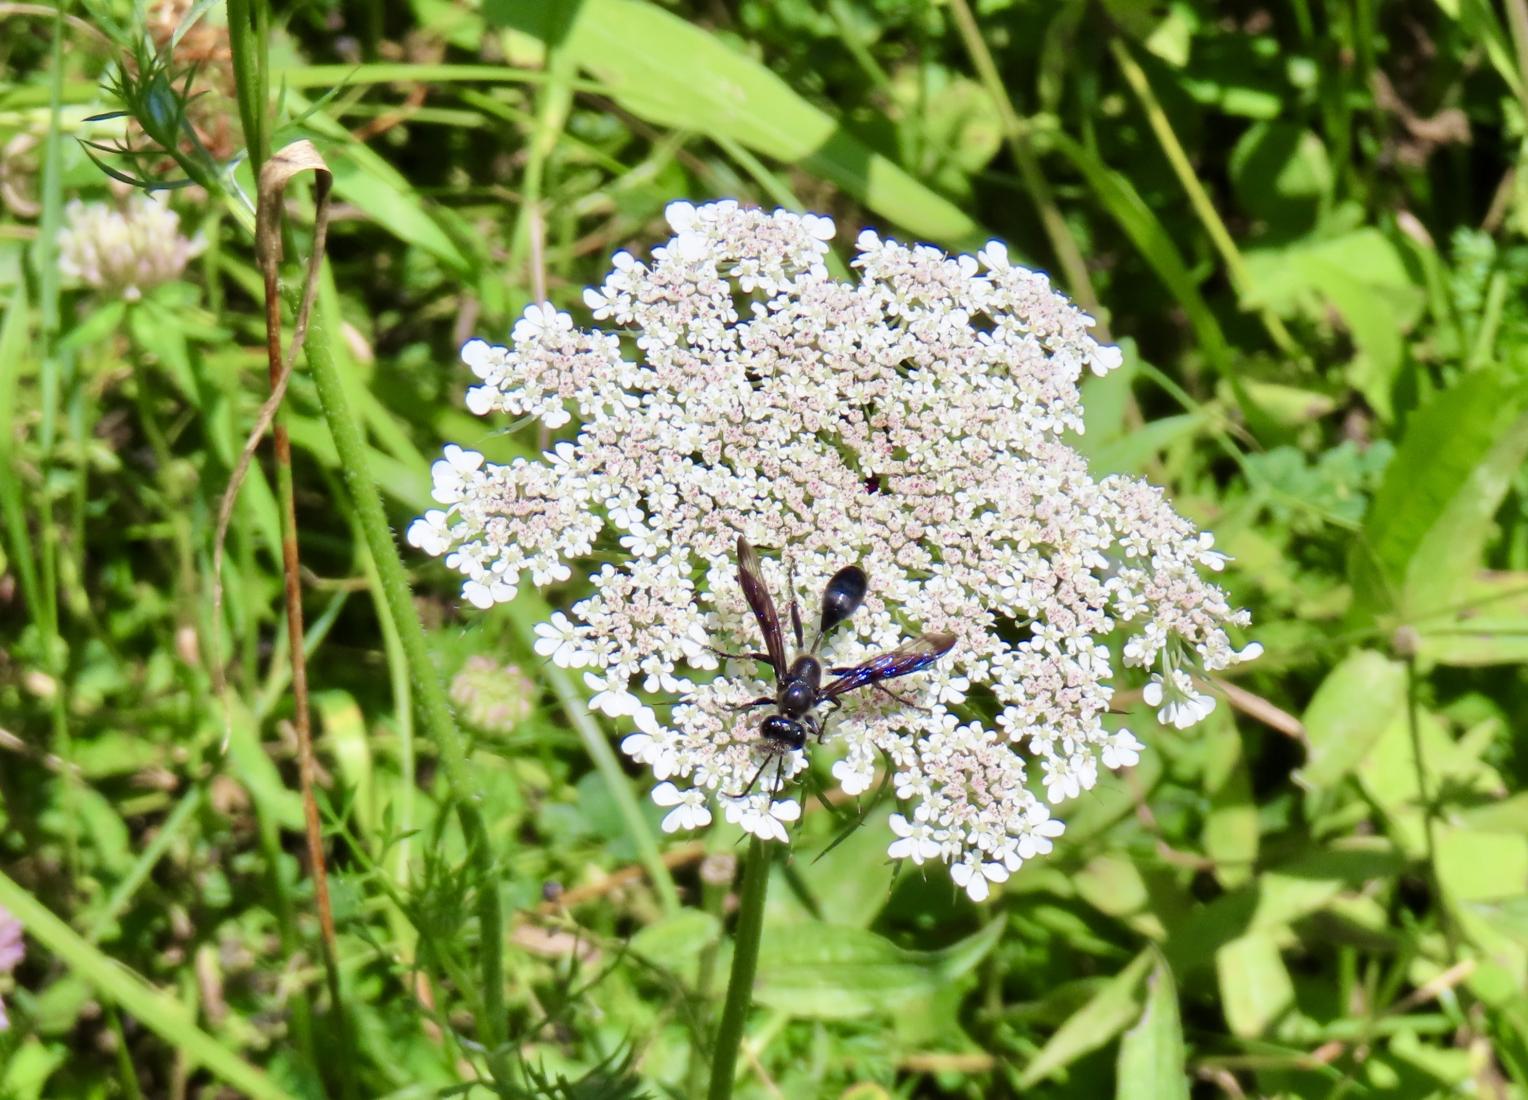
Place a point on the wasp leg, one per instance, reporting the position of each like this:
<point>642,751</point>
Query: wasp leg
<point>761,701</point>
<point>744,792</point>
<point>738,656</point>
<point>904,700</point>
<point>790,576</point>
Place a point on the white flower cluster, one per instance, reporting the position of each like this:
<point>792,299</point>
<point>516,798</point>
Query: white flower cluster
<point>124,251</point>
<point>909,421</point>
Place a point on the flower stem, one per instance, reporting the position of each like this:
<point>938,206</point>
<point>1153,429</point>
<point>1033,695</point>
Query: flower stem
<point>433,704</point>
<point>745,961</point>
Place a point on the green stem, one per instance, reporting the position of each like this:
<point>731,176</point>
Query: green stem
<point>159,1012</point>
<point>434,706</point>
<point>745,962</point>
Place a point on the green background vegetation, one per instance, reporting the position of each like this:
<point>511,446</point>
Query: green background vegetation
<point>1305,223</point>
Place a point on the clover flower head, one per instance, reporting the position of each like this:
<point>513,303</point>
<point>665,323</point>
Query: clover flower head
<point>12,949</point>
<point>125,251</point>
<point>492,696</point>
<point>911,419</point>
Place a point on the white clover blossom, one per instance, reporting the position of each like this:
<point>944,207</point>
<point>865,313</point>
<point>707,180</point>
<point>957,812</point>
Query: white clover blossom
<point>910,420</point>
<point>125,251</point>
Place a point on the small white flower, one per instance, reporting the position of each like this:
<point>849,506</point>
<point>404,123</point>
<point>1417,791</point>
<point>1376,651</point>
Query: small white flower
<point>611,697</point>
<point>918,840</point>
<point>975,877</point>
<point>854,774</point>
<point>655,750</point>
<point>765,822</point>
<point>540,321</point>
<point>558,639</point>
<point>1122,750</point>
<point>1209,558</point>
<point>1036,832</point>
<point>430,533</point>
<point>1249,652</point>
<point>689,811</point>
<point>680,215</point>
<point>1181,705</point>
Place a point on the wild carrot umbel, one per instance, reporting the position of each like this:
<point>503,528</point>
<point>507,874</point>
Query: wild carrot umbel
<point>911,421</point>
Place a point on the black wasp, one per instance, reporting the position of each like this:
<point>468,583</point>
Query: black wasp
<point>800,689</point>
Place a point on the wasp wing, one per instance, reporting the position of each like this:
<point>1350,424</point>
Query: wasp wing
<point>905,659</point>
<point>750,575</point>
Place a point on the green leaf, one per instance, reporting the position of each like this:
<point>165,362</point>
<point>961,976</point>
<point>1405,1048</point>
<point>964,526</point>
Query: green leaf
<point>1357,702</point>
<point>1363,277</point>
<point>371,186</point>
<point>1423,539</point>
<point>850,883</point>
<point>1230,826</point>
<point>1151,1056</point>
<point>1131,452</point>
<point>1489,627</point>
<point>1255,987</point>
<point>824,971</point>
<point>655,64</point>
<point>28,1068</point>
<point>1275,898</point>
<point>1453,766</point>
<point>1282,175</point>
<point>1096,1023</point>
<point>676,938</point>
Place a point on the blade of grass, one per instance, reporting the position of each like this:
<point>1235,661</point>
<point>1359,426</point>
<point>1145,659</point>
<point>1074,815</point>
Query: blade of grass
<point>1198,197</point>
<point>1068,254</point>
<point>155,1010</point>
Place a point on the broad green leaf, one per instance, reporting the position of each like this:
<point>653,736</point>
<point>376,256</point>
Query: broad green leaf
<point>825,971</point>
<point>1363,277</point>
<point>1255,987</point>
<point>1275,898</point>
<point>851,883</point>
<point>1507,815</point>
<point>1425,532</point>
<point>1489,626</point>
<point>676,938</point>
<point>393,206</point>
<point>1151,1055</point>
<point>1289,406</point>
<point>1093,1025</point>
<point>1230,826</point>
<point>1481,866</point>
<point>28,1068</point>
<point>1389,775</point>
<point>254,769</point>
<point>655,65</point>
<point>1282,176</point>
<point>1118,887</point>
<point>1484,877</point>
<point>1357,702</point>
